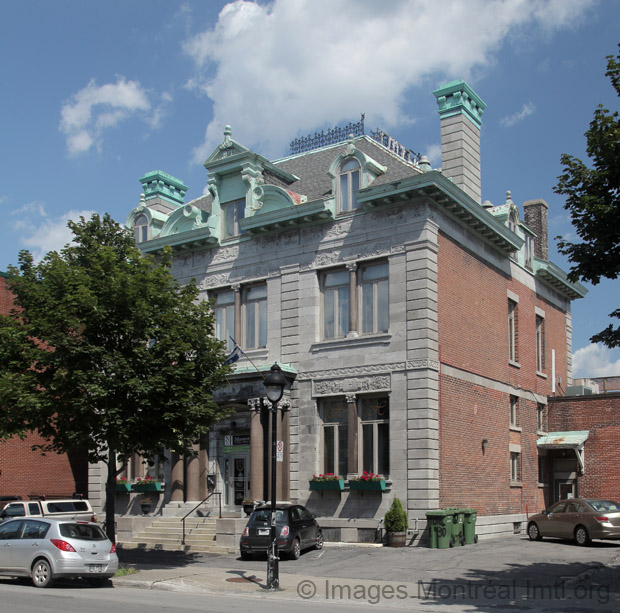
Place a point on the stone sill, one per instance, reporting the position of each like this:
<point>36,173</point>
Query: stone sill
<point>351,341</point>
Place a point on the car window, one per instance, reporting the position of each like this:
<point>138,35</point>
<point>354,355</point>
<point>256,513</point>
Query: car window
<point>33,529</point>
<point>10,530</point>
<point>15,509</point>
<point>66,506</point>
<point>83,532</point>
<point>305,514</point>
<point>604,505</point>
<point>573,507</point>
<point>34,508</point>
<point>558,507</point>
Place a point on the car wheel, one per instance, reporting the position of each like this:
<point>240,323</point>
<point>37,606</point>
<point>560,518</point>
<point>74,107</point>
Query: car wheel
<point>295,550</point>
<point>319,540</point>
<point>582,537</point>
<point>533,532</point>
<point>246,555</point>
<point>41,574</point>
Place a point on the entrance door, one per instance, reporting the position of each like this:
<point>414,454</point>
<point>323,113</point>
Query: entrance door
<point>565,479</point>
<point>237,478</point>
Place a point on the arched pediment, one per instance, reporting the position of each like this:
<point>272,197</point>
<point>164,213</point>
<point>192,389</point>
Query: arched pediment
<point>184,219</point>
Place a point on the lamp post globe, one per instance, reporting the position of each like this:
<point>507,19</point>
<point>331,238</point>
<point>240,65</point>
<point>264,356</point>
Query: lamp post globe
<point>274,383</point>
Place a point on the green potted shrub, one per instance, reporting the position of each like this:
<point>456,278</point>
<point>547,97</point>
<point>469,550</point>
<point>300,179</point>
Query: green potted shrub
<point>396,523</point>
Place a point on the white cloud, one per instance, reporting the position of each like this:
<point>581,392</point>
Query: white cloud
<point>95,109</point>
<point>596,361</point>
<point>527,110</point>
<point>433,153</point>
<point>274,70</point>
<point>52,234</point>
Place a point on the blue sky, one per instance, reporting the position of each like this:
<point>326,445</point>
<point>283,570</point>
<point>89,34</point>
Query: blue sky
<point>96,94</point>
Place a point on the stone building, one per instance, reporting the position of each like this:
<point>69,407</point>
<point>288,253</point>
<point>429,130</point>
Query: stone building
<point>420,329</point>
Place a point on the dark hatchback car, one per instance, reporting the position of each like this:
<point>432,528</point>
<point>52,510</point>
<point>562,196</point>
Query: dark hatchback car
<point>296,530</point>
<point>581,519</point>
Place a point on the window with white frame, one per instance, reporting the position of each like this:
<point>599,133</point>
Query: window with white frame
<point>348,184</point>
<point>232,213</point>
<point>335,290</point>
<point>375,435</point>
<point>514,411</point>
<point>374,298</point>
<point>245,307</point>
<point>513,330</point>
<point>224,307</point>
<point>335,436</point>
<point>540,343</point>
<point>254,308</point>
<point>515,466</point>
<point>141,229</point>
<point>367,311</point>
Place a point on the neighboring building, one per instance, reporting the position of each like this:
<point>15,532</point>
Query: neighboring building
<point>26,473</point>
<point>582,449</point>
<point>420,329</point>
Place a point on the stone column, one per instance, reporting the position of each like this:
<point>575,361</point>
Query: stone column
<point>177,478</point>
<point>257,441</point>
<point>203,463</point>
<point>352,268</point>
<point>192,476</point>
<point>238,332</point>
<point>353,467</point>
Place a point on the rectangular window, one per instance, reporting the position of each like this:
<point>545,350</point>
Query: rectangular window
<point>512,331</point>
<point>514,411</point>
<point>254,299</point>
<point>529,252</point>
<point>335,289</point>
<point>541,424</point>
<point>540,343</point>
<point>224,308</point>
<point>515,466</point>
<point>375,436</point>
<point>232,213</point>
<point>374,298</point>
<point>335,433</point>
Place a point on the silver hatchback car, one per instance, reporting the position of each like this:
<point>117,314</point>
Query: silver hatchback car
<point>45,549</point>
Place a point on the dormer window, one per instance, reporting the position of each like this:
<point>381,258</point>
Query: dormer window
<point>348,184</point>
<point>141,229</point>
<point>232,213</point>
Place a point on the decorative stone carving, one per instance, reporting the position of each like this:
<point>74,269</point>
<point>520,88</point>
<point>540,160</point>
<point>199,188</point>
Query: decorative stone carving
<point>215,281</point>
<point>331,387</point>
<point>226,253</point>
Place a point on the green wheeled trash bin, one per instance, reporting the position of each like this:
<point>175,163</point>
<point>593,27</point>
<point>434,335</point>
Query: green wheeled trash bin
<point>457,526</point>
<point>440,528</point>
<point>469,526</point>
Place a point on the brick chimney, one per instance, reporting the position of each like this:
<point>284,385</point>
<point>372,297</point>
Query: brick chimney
<point>536,214</point>
<point>460,110</point>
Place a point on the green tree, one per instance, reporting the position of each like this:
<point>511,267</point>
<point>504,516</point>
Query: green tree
<point>593,200</point>
<point>106,352</point>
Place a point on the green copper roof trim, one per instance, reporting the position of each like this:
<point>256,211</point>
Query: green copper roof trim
<point>4,274</point>
<point>199,238</point>
<point>555,277</point>
<point>264,368</point>
<point>435,186</point>
<point>563,440</point>
<point>160,184</point>
<point>457,98</point>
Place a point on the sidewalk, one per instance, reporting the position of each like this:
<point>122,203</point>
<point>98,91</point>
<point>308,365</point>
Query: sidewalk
<point>504,573</point>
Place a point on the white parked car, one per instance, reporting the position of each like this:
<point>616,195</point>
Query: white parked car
<point>46,549</point>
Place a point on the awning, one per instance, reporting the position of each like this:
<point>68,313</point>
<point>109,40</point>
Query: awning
<point>574,439</point>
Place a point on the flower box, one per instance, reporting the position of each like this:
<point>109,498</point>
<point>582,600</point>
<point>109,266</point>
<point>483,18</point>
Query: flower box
<point>373,486</point>
<point>147,486</point>
<point>330,484</point>
<point>123,486</point>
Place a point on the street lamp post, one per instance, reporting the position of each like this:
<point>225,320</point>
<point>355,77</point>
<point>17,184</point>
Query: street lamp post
<point>274,384</point>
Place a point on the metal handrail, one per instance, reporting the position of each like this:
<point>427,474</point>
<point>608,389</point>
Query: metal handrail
<point>202,502</point>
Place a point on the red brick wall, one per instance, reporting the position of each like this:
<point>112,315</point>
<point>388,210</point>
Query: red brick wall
<point>473,337</point>
<point>600,414</point>
<point>24,472</point>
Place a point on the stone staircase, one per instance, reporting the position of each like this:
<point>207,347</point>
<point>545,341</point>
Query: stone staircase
<point>166,533</point>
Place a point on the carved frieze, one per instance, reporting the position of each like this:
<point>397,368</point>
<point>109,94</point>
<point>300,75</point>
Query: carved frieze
<point>351,385</point>
<point>368,370</point>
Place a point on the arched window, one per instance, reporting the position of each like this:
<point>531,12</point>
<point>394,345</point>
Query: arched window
<point>141,228</point>
<point>348,184</point>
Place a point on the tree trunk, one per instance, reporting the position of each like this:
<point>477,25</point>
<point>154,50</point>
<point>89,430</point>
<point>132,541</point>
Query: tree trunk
<point>110,498</point>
